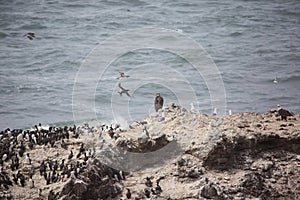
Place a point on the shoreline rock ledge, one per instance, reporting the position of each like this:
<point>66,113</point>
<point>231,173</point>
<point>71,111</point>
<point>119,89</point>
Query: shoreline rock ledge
<point>241,156</point>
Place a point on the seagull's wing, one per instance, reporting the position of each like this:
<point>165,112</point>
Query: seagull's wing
<point>121,86</point>
<point>32,34</point>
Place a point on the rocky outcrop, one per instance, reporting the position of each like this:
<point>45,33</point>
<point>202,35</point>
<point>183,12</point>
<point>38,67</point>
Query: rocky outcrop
<point>97,182</point>
<point>173,154</point>
<point>262,159</point>
<point>228,154</point>
<point>242,156</point>
<point>143,144</point>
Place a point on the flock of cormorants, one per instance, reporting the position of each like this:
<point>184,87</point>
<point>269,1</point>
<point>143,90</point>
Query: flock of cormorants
<point>14,147</point>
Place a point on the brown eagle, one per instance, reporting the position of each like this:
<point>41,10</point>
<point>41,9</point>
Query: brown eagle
<point>283,113</point>
<point>158,102</point>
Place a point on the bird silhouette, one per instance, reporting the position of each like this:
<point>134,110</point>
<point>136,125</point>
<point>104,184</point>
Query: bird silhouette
<point>128,194</point>
<point>148,182</point>
<point>123,90</point>
<point>70,155</point>
<point>30,35</point>
<point>158,102</point>
<point>283,113</point>
<point>122,75</point>
<point>158,188</point>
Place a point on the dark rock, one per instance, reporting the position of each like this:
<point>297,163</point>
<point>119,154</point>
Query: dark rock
<point>145,144</point>
<point>233,154</point>
<point>194,173</point>
<point>258,125</point>
<point>209,191</point>
<point>95,183</point>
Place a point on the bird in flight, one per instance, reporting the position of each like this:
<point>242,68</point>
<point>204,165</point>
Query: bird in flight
<point>122,75</point>
<point>30,35</point>
<point>123,90</point>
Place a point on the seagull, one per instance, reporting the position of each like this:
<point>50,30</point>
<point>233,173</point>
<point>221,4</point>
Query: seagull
<point>123,90</point>
<point>215,111</point>
<point>30,35</point>
<point>146,131</point>
<point>275,80</point>
<point>193,109</point>
<point>122,75</point>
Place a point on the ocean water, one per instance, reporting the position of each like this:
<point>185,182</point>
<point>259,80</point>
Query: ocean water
<point>250,41</point>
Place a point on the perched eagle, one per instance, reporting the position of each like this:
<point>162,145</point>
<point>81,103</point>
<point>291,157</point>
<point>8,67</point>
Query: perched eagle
<point>158,102</point>
<point>283,113</point>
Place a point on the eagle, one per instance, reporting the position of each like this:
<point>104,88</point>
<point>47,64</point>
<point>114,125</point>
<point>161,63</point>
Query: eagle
<point>158,102</point>
<point>283,113</point>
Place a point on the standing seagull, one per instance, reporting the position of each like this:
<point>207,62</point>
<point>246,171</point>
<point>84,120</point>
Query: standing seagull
<point>193,109</point>
<point>30,35</point>
<point>283,113</point>
<point>215,111</point>
<point>158,102</point>
<point>123,90</point>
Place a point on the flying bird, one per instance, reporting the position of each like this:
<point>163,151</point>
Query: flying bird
<point>123,90</point>
<point>158,102</point>
<point>122,75</point>
<point>30,35</point>
<point>283,113</point>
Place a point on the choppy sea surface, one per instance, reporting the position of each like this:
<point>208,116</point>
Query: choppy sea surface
<point>250,41</point>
